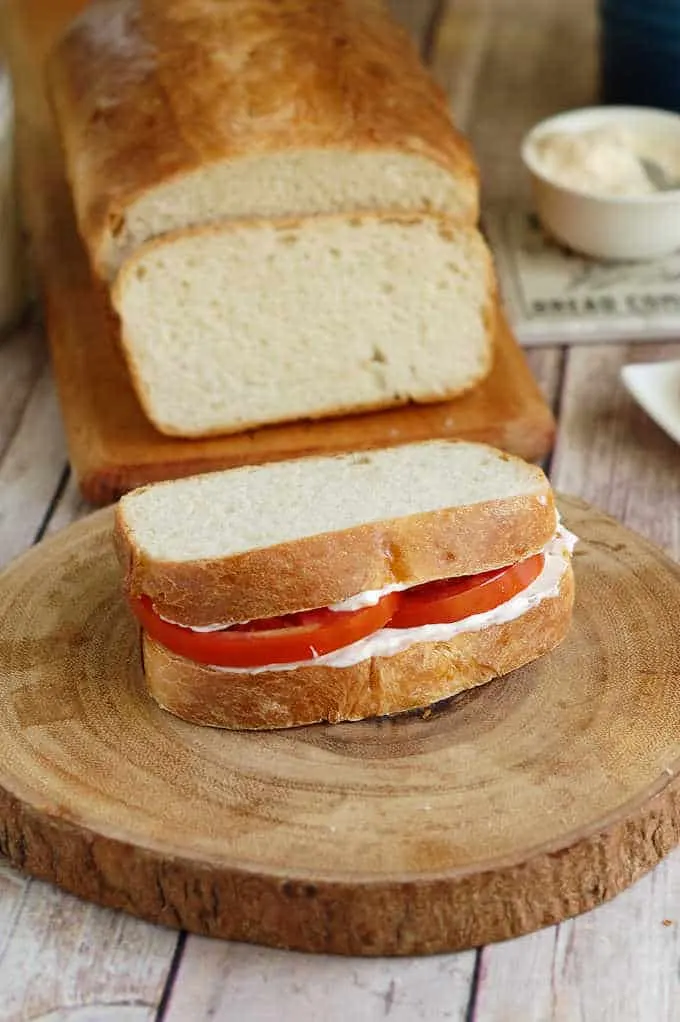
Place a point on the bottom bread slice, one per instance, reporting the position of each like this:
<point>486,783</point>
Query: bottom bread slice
<point>421,675</point>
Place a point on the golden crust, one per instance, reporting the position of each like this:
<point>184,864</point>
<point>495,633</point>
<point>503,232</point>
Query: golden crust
<point>446,226</point>
<point>319,570</point>
<point>416,678</point>
<point>345,77</point>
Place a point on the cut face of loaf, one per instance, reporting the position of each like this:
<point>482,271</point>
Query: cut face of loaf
<point>295,183</point>
<point>273,539</point>
<point>241,325</point>
<point>175,114</point>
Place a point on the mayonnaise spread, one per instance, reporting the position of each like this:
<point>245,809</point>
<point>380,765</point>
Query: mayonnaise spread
<point>606,160</point>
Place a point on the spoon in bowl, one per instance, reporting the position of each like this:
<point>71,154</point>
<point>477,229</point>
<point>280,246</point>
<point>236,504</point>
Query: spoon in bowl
<point>658,176</point>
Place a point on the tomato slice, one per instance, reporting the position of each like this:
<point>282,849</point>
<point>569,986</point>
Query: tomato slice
<point>313,633</point>
<point>453,599</point>
<point>277,640</point>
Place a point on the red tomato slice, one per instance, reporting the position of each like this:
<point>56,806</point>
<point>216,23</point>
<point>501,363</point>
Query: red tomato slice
<point>453,599</point>
<point>277,640</point>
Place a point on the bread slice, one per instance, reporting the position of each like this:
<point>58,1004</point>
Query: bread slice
<point>238,325</point>
<point>176,114</point>
<point>417,677</point>
<point>294,535</point>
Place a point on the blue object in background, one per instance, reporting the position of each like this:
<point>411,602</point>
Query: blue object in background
<point>640,52</point>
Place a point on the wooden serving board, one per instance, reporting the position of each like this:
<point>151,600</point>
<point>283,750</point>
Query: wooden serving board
<point>531,799</point>
<point>112,445</point>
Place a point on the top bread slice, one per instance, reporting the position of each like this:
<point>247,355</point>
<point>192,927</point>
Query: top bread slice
<point>274,539</point>
<point>179,113</point>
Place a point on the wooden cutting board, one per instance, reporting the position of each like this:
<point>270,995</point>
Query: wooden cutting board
<point>112,445</point>
<point>531,799</point>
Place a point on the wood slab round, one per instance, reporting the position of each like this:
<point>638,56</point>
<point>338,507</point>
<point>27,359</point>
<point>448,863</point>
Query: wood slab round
<point>529,800</point>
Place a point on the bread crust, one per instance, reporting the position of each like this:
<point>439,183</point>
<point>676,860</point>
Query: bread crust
<point>346,78</point>
<point>417,677</point>
<point>319,570</point>
<point>446,226</point>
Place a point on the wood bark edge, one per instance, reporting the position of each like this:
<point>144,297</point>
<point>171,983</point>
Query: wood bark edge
<point>386,918</point>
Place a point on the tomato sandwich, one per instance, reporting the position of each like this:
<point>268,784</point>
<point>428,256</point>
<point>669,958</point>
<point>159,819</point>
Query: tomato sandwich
<point>341,588</point>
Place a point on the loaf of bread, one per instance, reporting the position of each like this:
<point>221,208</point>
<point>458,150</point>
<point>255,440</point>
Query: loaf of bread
<point>179,113</point>
<point>236,325</point>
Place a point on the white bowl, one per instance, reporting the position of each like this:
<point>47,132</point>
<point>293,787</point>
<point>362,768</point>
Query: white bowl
<point>616,228</point>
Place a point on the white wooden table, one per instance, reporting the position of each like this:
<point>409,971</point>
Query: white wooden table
<point>505,65</point>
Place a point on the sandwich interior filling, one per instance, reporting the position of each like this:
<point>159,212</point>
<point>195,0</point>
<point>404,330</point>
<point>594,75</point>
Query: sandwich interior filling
<point>375,623</point>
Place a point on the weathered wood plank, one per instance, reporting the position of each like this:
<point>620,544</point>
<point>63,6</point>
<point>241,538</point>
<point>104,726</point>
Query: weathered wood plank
<point>30,469</point>
<point>418,16</point>
<point>610,452</point>
<point>67,961</point>
<point>620,961</point>
<point>506,66</point>
<point>547,365</point>
<point>23,356</point>
<point>458,50</point>
<point>69,508</point>
<point>233,981</point>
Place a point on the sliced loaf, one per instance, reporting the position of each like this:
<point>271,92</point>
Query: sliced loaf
<point>177,113</point>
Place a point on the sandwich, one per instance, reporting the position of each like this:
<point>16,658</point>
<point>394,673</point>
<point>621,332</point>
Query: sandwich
<point>342,588</point>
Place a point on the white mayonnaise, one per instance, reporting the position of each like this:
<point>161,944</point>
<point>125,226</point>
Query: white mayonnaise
<point>388,641</point>
<point>605,160</point>
<point>369,597</point>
